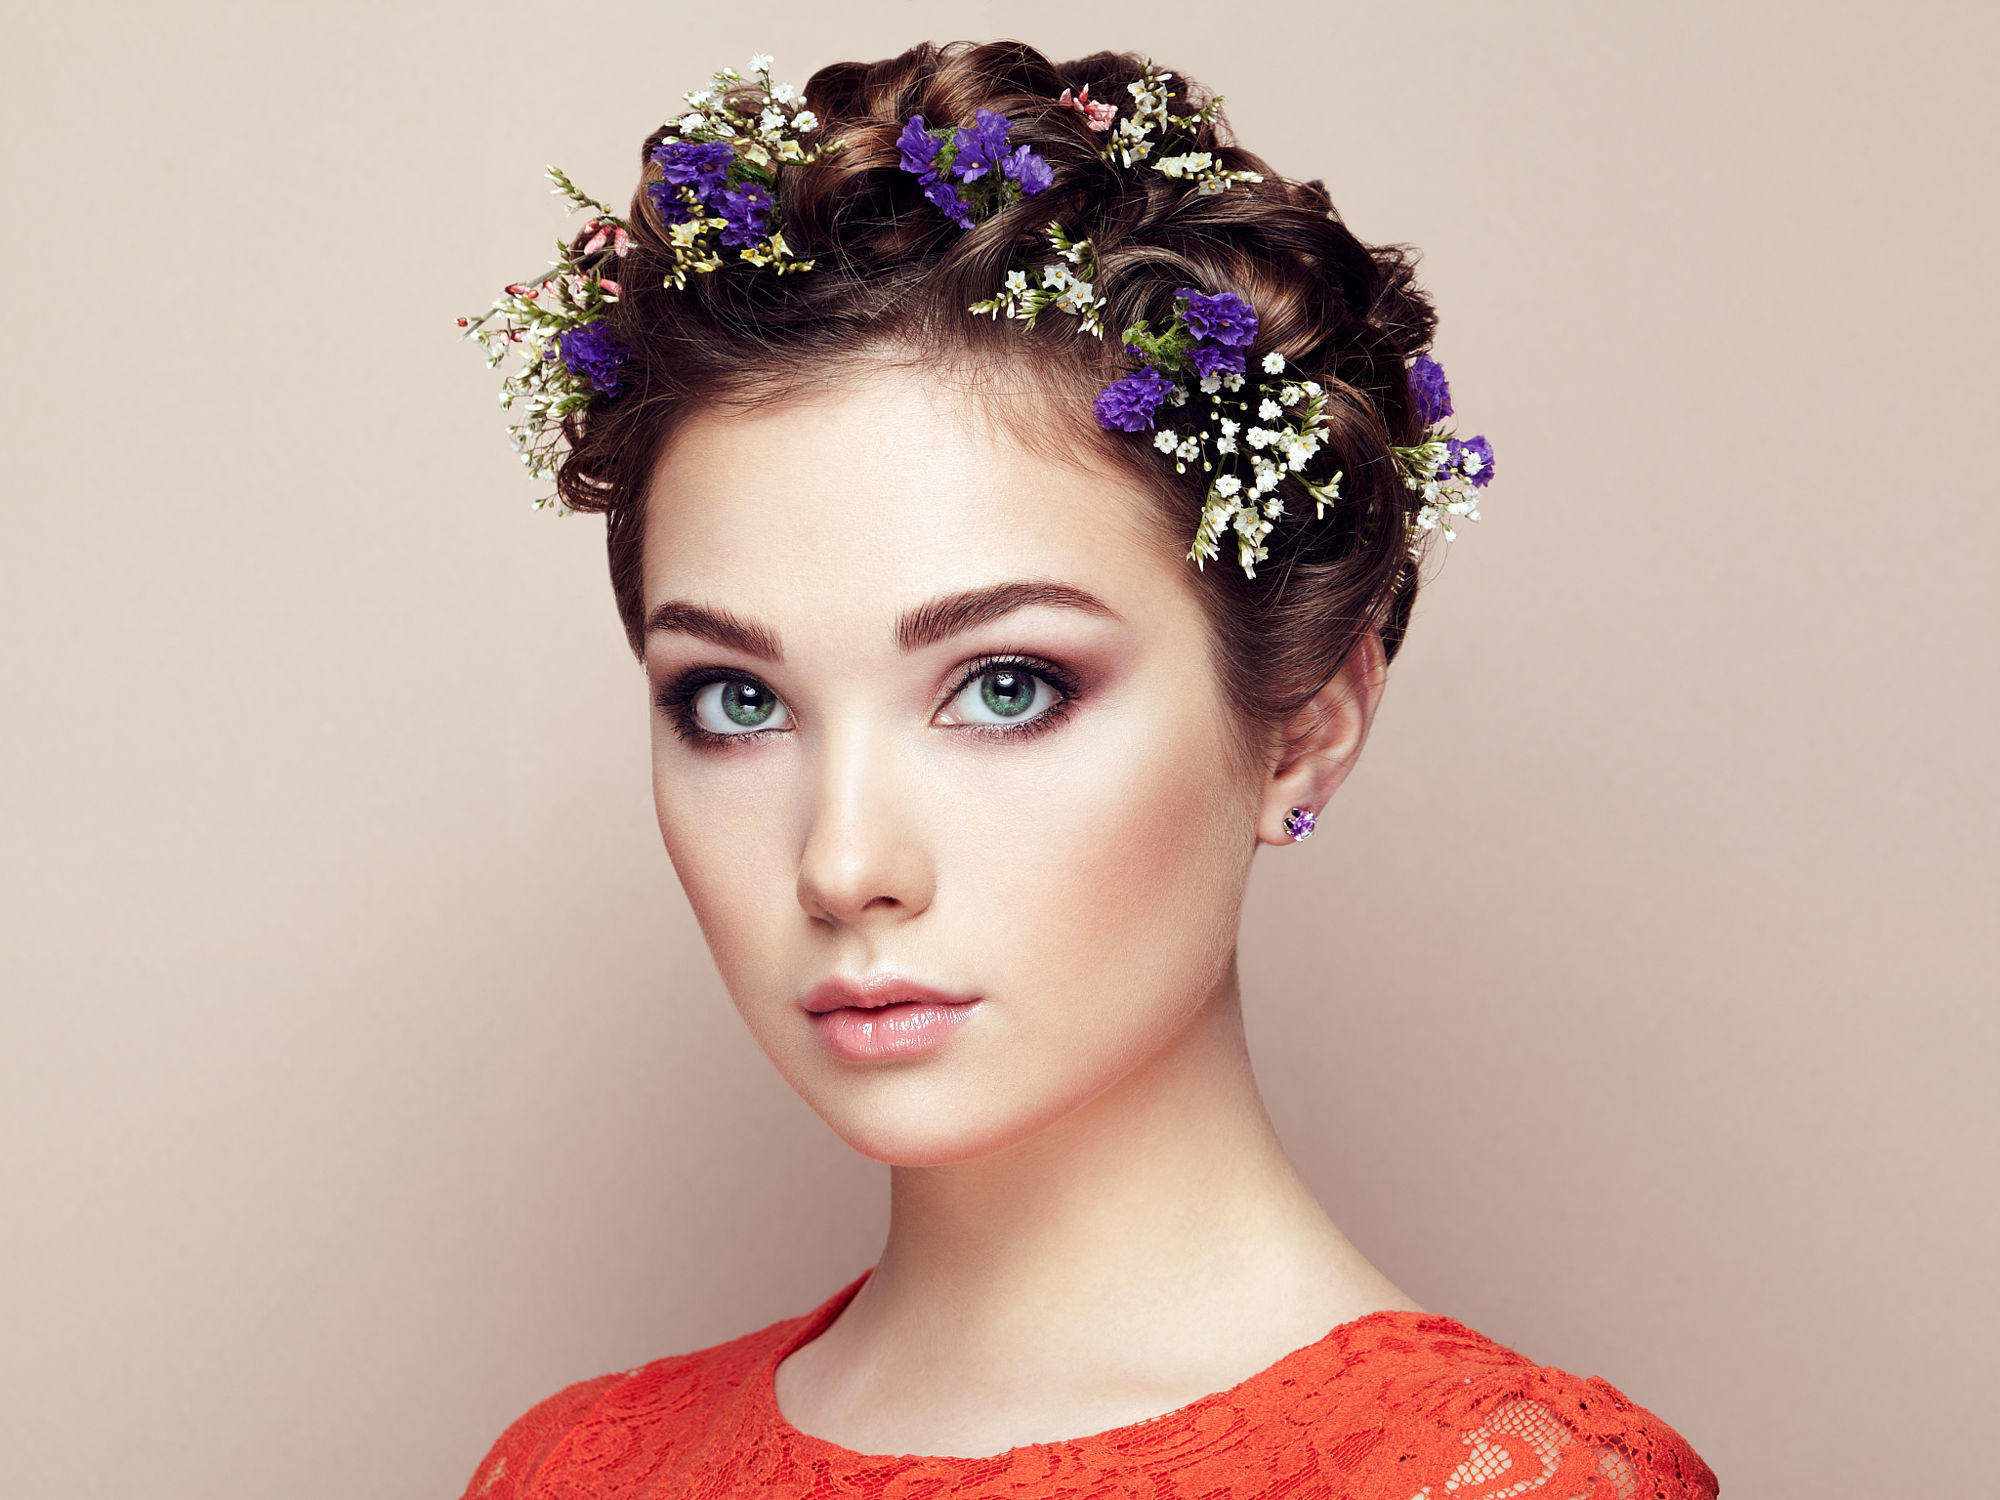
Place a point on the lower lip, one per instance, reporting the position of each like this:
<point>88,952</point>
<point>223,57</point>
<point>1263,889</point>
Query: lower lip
<point>890,1030</point>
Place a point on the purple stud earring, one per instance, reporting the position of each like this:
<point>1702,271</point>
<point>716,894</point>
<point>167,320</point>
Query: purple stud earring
<point>1299,823</point>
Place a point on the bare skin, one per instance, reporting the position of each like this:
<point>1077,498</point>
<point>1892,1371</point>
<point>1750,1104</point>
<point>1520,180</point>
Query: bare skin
<point>1093,1221</point>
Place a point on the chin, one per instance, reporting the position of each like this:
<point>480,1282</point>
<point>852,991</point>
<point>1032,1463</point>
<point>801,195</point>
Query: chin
<point>925,1115</point>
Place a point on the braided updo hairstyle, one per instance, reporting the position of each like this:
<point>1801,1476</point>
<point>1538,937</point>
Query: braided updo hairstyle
<point>892,280</point>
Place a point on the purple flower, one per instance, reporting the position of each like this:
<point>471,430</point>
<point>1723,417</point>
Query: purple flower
<point>1427,384</point>
<point>747,211</point>
<point>1456,454</point>
<point>1028,169</point>
<point>945,196</point>
<point>703,166</point>
<point>1216,359</point>
<point>588,350</point>
<point>1224,318</point>
<point>1127,405</point>
<point>667,199</point>
<point>919,148</point>
<point>980,144</point>
<point>1484,451</point>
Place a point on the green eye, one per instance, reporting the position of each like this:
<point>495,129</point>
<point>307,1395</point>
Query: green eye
<point>740,703</point>
<point>1008,691</point>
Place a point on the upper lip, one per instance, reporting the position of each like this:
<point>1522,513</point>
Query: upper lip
<point>867,991</point>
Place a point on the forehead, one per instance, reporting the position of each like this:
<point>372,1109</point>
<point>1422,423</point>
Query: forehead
<point>889,488</point>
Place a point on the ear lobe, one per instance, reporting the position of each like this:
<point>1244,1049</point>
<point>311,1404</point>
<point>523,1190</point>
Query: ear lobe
<point>1324,742</point>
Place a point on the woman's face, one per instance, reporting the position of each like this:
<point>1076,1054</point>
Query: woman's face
<point>858,771</point>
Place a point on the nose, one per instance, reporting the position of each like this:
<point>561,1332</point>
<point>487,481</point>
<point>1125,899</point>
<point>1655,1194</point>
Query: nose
<point>865,858</point>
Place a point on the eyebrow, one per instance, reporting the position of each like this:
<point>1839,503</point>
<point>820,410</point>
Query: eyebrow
<point>923,625</point>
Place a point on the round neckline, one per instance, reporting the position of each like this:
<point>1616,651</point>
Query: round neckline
<point>769,1419</point>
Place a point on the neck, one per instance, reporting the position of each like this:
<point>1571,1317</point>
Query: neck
<point>1166,1202</point>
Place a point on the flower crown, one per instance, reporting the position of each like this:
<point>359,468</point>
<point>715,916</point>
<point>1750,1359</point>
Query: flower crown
<point>716,195</point>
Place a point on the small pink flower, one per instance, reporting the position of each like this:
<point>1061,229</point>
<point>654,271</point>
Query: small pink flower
<point>597,241</point>
<point>1097,116</point>
<point>620,242</point>
<point>611,286</point>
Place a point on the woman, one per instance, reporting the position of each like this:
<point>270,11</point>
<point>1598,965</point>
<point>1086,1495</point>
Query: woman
<point>962,766</point>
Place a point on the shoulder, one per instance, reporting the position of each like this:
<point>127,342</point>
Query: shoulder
<point>612,1418</point>
<point>1478,1411</point>
<point>518,1453</point>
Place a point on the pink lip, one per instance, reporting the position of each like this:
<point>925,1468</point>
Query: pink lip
<point>884,1015</point>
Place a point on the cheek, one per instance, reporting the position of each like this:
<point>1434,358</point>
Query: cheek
<point>728,859</point>
<point>1129,867</point>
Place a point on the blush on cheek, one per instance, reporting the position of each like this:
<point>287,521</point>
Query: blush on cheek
<point>1152,862</point>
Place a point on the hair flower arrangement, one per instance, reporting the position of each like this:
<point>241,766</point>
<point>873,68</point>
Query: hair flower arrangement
<point>718,180</point>
<point>1134,139</point>
<point>716,190</point>
<point>1447,473</point>
<point>1064,284</point>
<point>975,154</point>
<point>1246,431</point>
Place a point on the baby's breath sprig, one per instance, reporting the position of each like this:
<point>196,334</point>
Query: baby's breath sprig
<point>1066,289</point>
<point>1133,139</point>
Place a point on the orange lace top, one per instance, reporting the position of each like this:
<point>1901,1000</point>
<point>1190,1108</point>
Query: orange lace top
<point>1396,1405</point>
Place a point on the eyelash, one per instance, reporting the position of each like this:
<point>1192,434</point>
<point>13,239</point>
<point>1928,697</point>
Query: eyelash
<point>676,700</point>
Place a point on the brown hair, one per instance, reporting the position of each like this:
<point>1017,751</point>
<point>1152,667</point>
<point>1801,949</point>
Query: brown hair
<point>893,274</point>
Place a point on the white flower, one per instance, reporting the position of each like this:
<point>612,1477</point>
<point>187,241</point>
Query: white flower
<point>1274,363</point>
<point>1055,275</point>
<point>706,96</point>
<point>1228,484</point>
<point>1289,395</point>
<point>1017,281</point>
<point>1188,448</point>
<point>761,63</point>
<point>1210,384</point>
<point>1229,428</point>
<point>1225,445</point>
<point>1471,461</point>
<point>771,119</point>
<point>1313,388</point>
<point>1232,382</point>
<point>1259,437</point>
<point>1164,440</point>
<point>783,93</point>
<point>1177,396</point>
<point>805,119</point>
<point>691,122</point>
<point>1269,410</point>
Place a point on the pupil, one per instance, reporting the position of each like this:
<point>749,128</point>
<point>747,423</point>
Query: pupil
<point>747,703</point>
<point>1008,691</point>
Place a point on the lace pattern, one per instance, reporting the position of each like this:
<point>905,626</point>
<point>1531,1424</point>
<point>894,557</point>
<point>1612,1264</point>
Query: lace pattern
<point>1396,1405</point>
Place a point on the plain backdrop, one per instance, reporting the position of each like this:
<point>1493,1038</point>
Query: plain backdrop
<point>365,1076</point>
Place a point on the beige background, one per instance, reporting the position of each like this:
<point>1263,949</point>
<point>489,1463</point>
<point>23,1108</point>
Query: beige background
<point>365,1078</point>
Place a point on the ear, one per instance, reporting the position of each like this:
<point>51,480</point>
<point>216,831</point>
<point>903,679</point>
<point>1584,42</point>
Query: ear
<point>1322,743</point>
